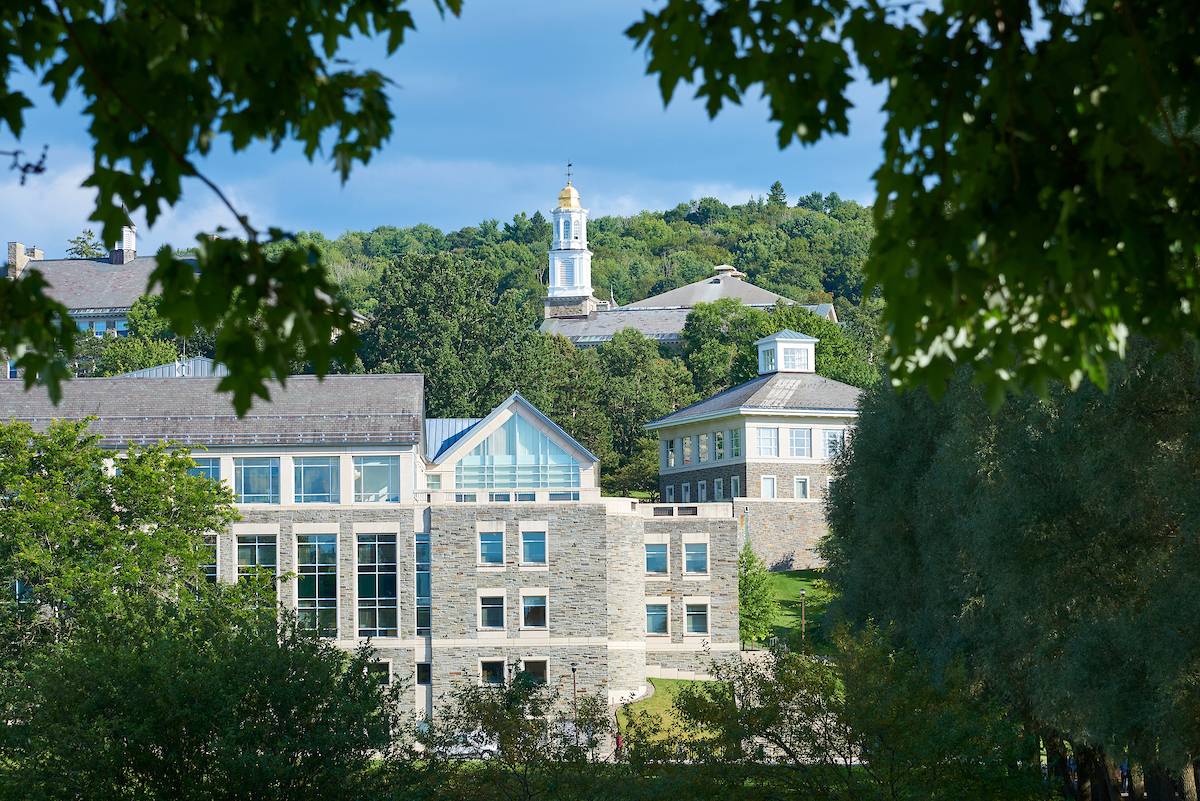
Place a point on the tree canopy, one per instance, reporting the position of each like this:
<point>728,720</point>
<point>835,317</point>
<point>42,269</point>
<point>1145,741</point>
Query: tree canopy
<point>1038,196</point>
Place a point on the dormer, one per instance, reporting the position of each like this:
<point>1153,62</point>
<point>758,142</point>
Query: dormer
<point>787,351</point>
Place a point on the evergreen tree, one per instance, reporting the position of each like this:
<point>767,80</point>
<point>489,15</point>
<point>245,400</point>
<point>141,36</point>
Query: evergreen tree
<point>757,605</point>
<point>777,197</point>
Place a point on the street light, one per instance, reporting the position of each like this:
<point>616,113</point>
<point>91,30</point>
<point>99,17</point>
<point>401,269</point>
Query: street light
<point>803,620</point>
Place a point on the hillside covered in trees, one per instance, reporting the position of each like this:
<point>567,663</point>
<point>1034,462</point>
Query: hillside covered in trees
<point>463,309</point>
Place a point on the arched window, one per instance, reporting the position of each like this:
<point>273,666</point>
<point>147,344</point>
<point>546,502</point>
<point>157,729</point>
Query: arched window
<point>566,228</point>
<point>578,230</point>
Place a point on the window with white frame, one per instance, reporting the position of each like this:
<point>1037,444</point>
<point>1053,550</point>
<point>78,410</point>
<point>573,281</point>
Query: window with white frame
<point>316,583</point>
<point>687,450</point>
<point>656,558</point>
<point>702,447</point>
<point>767,487</point>
<point>718,489</point>
<point>800,443</point>
<point>533,547</point>
<point>701,491</point>
<point>381,672</point>
<point>491,672</point>
<point>735,443</point>
<point>491,548</point>
<point>795,358</point>
<point>800,487</point>
<point>535,669</point>
<point>656,618</point>
<point>317,479</point>
<point>533,610</point>
<point>835,440</point>
<point>735,486</point>
<point>209,568</point>
<point>768,442</point>
<point>670,452</point>
<point>695,558</point>
<point>696,618</point>
<point>256,479</point>
<point>378,607</point>
<point>207,467</point>
<point>376,479</point>
<point>256,552</point>
<point>491,611</point>
<point>685,492</point>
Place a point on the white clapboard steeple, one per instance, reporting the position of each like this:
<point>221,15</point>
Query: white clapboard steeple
<point>570,259</point>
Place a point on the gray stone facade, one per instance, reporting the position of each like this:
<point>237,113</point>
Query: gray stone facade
<point>718,470</point>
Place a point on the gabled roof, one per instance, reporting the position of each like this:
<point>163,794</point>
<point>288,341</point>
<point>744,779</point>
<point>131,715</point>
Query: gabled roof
<point>442,432</point>
<point>716,287</point>
<point>788,334</point>
<point>342,409</point>
<point>455,448</point>
<point>776,392</point>
<point>81,284</point>
<point>662,325</point>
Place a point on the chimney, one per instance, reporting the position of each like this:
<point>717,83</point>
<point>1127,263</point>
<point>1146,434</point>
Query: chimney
<point>17,259</point>
<point>35,253</point>
<point>126,250</point>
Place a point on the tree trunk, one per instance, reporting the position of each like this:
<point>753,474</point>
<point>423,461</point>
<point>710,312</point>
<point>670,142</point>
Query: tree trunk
<point>1137,783</point>
<point>1187,781</point>
<point>1094,780</point>
<point>1057,768</point>
<point>1158,784</point>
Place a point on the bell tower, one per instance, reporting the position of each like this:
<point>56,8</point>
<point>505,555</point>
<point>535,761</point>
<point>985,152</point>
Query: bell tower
<point>569,293</point>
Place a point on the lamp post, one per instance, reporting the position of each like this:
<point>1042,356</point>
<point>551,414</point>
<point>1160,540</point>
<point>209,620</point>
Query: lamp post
<point>803,620</point>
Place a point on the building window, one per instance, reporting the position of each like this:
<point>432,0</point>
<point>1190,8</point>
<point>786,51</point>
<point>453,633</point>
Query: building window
<point>517,455</point>
<point>669,453</point>
<point>718,489</point>
<point>718,439</point>
<point>795,358</point>
<point>491,672</point>
<point>735,486</point>
<point>695,557</point>
<point>209,568</point>
<point>491,548</point>
<point>701,491</point>
<point>256,480</point>
<point>424,588</point>
<point>499,497</point>
<point>317,479</point>
<point>376,479</point>
<point>566,228</point>
<point>766,360</point>
<point>491,611</point>
<point>22,591</point>
<point>563,496</point>
<point>535,669</point>
<point>768,442</point>
<point>526,497</point>
<point>381,672</point>
<point>99,327</point>
<point>735,443</point>
<point>669,493</point>
<point>255,553</point>
<point>378,607</point>
<point>122,327</point>
<point>687,450</point>
<point>464,497</point>
<point>835,440</point>
<point>685,492</point>
<point>424,674</point>
<point>801,487</point>
<point>656,558</point>
<point>316,583</point>
<point>656,619</point>
<point>697,618</point>
<point>800,443</point>
<point>702,447</point>
<point>433,481</point>
<point>13,370</point>
<point>533,547</point>
<point>207,466</point>
<point>767,487</point>
<point>533,611</point>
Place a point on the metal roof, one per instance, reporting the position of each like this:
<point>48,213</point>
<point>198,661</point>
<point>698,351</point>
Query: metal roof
<point>787,334</point>
<point>342,409</point>
<point>442,432</point>
<point>783,392</point>
<point>194,367</point>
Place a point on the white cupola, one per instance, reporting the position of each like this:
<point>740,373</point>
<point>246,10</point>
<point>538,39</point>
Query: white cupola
<point>570,259</point>
<point>787,351</point>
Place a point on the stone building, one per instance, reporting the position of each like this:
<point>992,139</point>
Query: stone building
<point>763,447</point>
<point>573,311</point>
<point>462,549</point>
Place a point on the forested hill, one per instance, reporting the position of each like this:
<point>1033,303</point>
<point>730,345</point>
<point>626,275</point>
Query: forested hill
<point>811,250</point>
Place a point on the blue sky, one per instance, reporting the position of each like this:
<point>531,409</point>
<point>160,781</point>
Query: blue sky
<point>488,107</point>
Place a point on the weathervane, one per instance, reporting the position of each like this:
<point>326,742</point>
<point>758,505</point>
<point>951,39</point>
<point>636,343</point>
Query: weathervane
<point>569,166</point>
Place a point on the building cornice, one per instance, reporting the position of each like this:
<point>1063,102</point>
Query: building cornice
<point>751,411</point>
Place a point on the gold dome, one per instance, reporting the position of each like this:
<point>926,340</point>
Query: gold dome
<point>568,198</point>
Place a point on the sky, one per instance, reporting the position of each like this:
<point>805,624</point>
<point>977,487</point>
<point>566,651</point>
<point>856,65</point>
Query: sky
<point>489,108</point>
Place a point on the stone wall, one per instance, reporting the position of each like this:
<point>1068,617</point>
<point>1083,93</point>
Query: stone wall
<point>784,533</point>
<point>721,470</point>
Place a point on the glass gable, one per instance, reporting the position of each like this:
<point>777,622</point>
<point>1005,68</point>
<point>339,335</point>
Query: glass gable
<point>517,454</point>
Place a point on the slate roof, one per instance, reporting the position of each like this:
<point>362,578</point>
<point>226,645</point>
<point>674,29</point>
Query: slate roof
<point>773,392</point>
<point>442,432</point>
<point>342,409</point>
<point>81,284</point>
<point>708,290</point>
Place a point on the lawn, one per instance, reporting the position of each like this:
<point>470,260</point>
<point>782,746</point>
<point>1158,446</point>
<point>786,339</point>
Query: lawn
<point>659,704</point>
<point>787,585</point>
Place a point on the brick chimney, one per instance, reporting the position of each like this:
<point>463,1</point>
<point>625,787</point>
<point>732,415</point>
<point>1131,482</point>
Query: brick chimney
<point>126,250</point>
